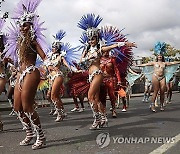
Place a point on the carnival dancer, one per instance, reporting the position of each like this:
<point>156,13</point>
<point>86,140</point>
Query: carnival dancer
<point>25,42</point>
<point>147,89</point>
<point>60,55</point>
<point>111,78</point>
<point>169,86</point>
<point>159,72</point>
<point>91,59</point>
<point>114,65</point>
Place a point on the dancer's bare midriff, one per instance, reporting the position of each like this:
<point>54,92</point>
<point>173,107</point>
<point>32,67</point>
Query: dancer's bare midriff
<point>159,68</point>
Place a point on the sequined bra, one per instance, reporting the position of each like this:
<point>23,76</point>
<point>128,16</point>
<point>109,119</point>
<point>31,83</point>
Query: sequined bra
<point>90,57</point>
<point>54,59</point>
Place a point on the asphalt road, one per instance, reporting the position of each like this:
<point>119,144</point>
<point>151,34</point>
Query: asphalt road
<point>136,131</point>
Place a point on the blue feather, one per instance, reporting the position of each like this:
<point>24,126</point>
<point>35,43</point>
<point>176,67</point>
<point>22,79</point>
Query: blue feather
<point>59,35</point>
<point>88,21</point>
<point>160,48</point>
<point>83,38</point>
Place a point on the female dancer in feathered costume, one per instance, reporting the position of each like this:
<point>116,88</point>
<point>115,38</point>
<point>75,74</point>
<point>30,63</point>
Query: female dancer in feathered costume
<point>91,59</point>
<point>62,53</point>
<point>114,64</point>
<point>159,73</point>
<point>25,42</point>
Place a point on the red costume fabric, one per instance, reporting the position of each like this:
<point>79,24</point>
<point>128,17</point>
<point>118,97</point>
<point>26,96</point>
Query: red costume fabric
<point>78,83</point>
<point>111,77</point>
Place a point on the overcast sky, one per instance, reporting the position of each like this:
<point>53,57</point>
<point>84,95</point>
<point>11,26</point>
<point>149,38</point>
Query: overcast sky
<point>146,21</point>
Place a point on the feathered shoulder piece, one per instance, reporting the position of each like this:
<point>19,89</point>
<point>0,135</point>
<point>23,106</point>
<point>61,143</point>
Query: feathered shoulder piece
<point>11,47</point>
<point>26,11</point>
<point>71,55</point>
<point>160,48</point>
<point>2,21</point>
<point>89,23</point>
<point>110,35</point>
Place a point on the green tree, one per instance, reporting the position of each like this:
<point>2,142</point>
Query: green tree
<point>171,51</point>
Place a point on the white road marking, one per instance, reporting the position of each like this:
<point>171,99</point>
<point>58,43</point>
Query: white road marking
<point>163,148</point>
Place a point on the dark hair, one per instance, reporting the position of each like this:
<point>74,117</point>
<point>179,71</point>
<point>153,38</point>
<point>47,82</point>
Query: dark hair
<point>163,59</point>
<point>58,46</point>
<point>89,46</point>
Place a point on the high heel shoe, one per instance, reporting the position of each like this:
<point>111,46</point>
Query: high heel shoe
<point>59,118</point>
<point>152,107</point>
<point>40,143</point>
<point>27,139</point>
<point>1,126</point>
<point>104,121</point>
<point>96,124</point>
<point>60,115</point>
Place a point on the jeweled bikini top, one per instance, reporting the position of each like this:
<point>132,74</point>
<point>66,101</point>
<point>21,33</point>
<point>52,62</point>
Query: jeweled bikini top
<point>91,56</point>
<point>160,66</point>
<point>55,61</point>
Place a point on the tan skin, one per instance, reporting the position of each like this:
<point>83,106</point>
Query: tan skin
<point>159,71</point>
<point>93,93</point>
<point>169,87</point>
<point>57,82</point>
<point>24,99</point>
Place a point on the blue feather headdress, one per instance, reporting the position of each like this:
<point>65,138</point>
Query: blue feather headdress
<point>84,41</point>
<point>58,37</point>
<point>160,48</point>
<point>84,38</point>
<point>89,23</point>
